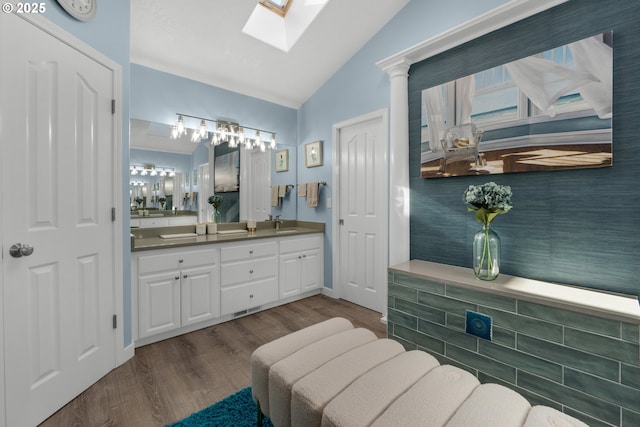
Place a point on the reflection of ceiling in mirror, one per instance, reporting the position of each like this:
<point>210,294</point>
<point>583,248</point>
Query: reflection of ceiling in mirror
<point>155,136</point>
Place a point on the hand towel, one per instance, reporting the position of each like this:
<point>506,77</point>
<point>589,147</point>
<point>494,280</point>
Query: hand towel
<point>282,190</point>
<point>312,194</point>
<point>302,190</point>
<point>275,200</point>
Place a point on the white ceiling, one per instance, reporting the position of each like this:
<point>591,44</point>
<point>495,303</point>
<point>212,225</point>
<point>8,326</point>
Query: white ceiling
<point>203,40</point>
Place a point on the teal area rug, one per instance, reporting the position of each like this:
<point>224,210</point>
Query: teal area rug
<point>237,410</point>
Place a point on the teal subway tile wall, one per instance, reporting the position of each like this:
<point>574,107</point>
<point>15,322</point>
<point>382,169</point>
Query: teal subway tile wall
<point>584,365</point>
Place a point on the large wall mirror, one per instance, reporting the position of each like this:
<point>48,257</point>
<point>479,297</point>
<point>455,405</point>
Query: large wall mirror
<point>191,172</point>
<point>548,111</point>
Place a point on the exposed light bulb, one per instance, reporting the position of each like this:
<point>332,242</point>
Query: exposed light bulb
<point>203,129</point>
<point>195,136</point>
<point>134,171</point>
<point>273,141</point>
<point>154,172</point>
<point>258,140</point>
<point>144,172</point>
<point>172,173</point>
<point>174,132</point>
<point>163,173</point>
<point>241,136</point>
<point>180,126</point>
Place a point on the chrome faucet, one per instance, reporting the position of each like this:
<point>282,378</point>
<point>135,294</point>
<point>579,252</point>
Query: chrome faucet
<point>278,221</point>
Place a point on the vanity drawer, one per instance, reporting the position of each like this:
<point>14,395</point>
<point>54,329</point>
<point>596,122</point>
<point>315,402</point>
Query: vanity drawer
<point>247,271</point>
<point>154,222</point>
<point>248,251</point>
<point>241,297</point>
<point>172,261</point>
<point>300,244</point>
<point>182,220</point>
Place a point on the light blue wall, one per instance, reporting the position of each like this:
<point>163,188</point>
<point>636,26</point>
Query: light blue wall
<point>109,33</point>
<point>360,87</point>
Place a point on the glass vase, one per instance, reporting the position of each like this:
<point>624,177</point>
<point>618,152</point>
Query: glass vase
<point>215,216</point>
<point>486,254</point>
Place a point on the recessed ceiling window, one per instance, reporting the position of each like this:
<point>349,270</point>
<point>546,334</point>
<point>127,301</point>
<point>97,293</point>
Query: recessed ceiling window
<point>277,6</point>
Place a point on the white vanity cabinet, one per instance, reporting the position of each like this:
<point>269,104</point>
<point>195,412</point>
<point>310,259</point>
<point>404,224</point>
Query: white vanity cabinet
<point>248,275</point>
<point>301,265</point>
<point>180,289</point>
<point>176,288</point>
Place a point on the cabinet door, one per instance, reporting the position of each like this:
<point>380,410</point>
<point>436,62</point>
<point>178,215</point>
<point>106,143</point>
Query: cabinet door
<point>290,275</point>
<point>158,303</point>
<point>312,273</point>
<point>200,294</point>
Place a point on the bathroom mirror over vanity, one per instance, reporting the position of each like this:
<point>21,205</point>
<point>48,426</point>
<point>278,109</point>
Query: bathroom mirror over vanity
<point>178,175</point>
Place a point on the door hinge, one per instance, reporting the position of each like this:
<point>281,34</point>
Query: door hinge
<point>113,214</point>
<point>115,321</point>
<point>113,106</point>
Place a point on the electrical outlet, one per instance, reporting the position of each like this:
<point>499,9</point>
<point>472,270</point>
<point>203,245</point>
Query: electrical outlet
<point>479,325</point>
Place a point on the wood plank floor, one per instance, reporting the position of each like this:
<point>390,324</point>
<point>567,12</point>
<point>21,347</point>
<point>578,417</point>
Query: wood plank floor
<point>167,381</point>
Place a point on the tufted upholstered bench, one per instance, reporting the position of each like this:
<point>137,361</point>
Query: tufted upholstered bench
<point>332,374</point>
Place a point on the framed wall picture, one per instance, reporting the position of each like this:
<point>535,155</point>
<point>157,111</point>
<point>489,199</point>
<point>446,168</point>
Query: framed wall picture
<point>282,160</point>
<point>313,154</point>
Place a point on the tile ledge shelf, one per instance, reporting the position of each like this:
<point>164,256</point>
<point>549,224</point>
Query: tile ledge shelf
<point>602,304</point>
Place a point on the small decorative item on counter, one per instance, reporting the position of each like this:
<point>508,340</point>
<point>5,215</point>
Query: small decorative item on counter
<point>201,228</point>
<point>488,200</point>
<point>139,201</point>
<point>163,202</point>
<point>216,202</point>
<point>212,228</point>
<point>251,225</point>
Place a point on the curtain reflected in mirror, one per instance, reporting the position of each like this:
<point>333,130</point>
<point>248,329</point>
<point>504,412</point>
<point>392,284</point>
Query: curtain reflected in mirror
<point>549,111</point>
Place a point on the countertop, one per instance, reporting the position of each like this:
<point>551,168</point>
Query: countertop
<point>590,301</point>
<point>149,238</point>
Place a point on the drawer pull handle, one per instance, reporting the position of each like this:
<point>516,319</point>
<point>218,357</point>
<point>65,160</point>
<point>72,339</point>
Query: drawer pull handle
<point>251,296</point>
<point>181,260</point>
<point>177,277</point>
<point>251,252</point>
<point>251,271</point>
<point>185,276</point>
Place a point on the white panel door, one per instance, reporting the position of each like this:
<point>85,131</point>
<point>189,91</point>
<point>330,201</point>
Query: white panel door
<point>363,174</point>
<point>57,139</point>
<point>206,190</point>
<point>256,183</point>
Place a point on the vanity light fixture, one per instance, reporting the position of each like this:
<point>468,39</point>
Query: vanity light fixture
<point>178,130</point>
<point>151,170</point>
<point>223,132</point>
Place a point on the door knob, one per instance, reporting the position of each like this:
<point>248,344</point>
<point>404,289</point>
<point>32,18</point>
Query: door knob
<point>18,250</point>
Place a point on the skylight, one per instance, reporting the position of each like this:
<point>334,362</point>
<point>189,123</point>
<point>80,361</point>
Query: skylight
<point>269,24</point>
<point>277,6</point>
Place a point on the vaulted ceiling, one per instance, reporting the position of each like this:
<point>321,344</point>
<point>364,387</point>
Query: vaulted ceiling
<point>204,40</point>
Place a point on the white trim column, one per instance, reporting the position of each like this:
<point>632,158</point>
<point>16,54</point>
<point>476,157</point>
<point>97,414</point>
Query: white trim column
<point>399,229</point>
